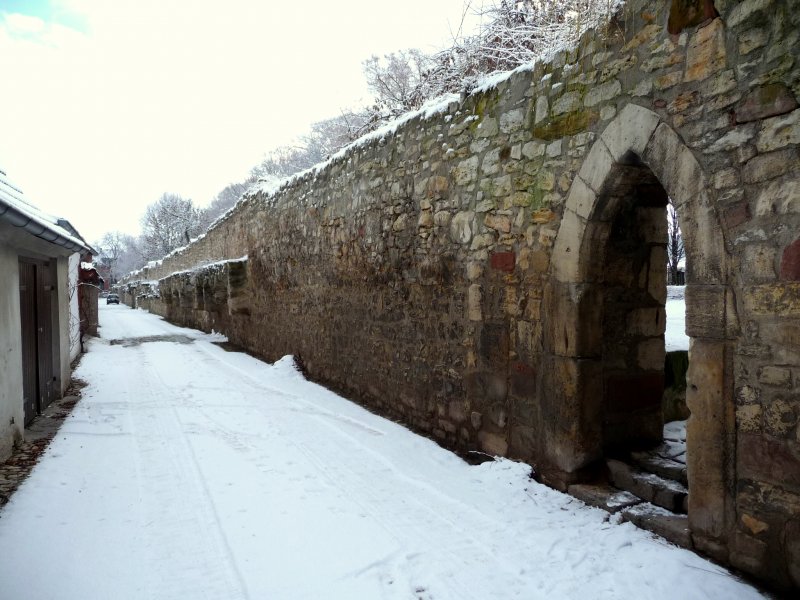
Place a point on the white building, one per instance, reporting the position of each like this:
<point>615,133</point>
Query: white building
<point>36,289</point>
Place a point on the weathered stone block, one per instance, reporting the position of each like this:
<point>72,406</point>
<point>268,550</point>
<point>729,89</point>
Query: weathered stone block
<point>752,39</point>
<point>566,254</point>
<point>542,109</point>
<point>571,422</point>
<point>573,321</point>
<point>781,417</point>
<point>773,299</point>
<point>731,140</point>
<point>759,262</point>
<point>765,101</point>
<point>744,10</point>
<point>466,171</point>
<point>748,418</point>
<point>775,376</point>
<point>461,227</point>
<point>705,311</point>
<point>501,223</point>
<point>770,165</point>
<point>603,496</point>
<point>568,102</point>
<point>512,120</point>
<point>675,165</point>
<point>493,443</point>
<point>596,166</point>
<point>602,93</point>
<point>565,125</point>
<point>708,436</point>
<point>705,54</point>
<point>474,299</point>
<point>705,248</point>
<point>736,214</point>
<point>630,131</point>
<point>664,82</point>
<point>766,459</point>
<point>778,132</point>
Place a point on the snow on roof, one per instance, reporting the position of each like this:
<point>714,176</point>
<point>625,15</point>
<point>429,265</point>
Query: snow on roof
<point>12,197</point>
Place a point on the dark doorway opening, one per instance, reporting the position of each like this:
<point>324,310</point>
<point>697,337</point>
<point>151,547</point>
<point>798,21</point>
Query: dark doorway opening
<point>36,326</point>
<point>628,268</point>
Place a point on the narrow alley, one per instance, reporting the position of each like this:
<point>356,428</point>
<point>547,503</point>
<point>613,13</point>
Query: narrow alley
<point>187,471</point>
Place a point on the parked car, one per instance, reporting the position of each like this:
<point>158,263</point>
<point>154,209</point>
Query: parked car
<point>112,299</point>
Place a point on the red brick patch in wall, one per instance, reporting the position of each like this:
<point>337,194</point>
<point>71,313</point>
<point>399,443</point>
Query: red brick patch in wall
<point>503,261</point>
<point>790,262</point>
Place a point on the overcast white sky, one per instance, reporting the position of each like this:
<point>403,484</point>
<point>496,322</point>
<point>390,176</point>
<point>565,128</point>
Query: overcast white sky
<point>107,104</point>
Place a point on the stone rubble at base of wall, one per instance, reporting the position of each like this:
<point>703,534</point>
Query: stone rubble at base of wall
<point>413,273</point>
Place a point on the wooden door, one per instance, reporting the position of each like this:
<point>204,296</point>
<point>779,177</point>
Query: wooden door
<point>44,329</point>
<point>30,367</point>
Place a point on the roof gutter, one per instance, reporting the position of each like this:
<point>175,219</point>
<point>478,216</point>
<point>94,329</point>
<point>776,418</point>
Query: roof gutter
<point>11,215</point>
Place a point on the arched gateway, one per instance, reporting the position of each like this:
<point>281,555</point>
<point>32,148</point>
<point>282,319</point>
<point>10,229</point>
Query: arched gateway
<point>606,307</point>
<point>491,272</point>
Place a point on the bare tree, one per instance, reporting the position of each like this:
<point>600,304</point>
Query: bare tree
<point>169,223</point>
<point>132,256</point>
<point>324,139</point>
<point>225,200</point>
<point>675,250</point>
<point>398,80</point>
<point>112,246</point>
<point>511,33</point>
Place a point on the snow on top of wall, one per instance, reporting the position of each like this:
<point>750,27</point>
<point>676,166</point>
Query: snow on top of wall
<point>209,266</point>
<point>269,189</point>
<point>15,198</point>
<point>432,108</point>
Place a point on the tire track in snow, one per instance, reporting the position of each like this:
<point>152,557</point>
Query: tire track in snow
<point>177,503</point>
<point>329,462</point>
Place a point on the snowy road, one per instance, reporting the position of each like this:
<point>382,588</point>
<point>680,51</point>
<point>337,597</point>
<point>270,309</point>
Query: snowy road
<point>189,472</point>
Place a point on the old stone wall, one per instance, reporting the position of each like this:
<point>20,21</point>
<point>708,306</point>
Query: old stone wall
<point>492,273</point>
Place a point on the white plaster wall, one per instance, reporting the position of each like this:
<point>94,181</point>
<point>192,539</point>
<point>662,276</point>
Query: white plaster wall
<point>74,315</point>
<point>61,325</point>
<point>11,410</point>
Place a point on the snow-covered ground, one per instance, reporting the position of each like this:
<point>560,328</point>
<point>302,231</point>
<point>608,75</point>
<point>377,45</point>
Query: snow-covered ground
<point>675,337</point>
<point>190,472</point>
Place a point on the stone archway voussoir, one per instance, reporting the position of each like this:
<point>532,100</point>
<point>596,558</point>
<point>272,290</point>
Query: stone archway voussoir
<point>566,253</point>
<point>596,166</point>
<point>675,166</point>
<point>631,130</point>
<point>581,199</point>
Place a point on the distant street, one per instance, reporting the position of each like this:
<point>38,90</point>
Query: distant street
<point>189,472</point>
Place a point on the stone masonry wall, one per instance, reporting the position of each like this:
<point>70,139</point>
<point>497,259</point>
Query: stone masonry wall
<point>452,274</point>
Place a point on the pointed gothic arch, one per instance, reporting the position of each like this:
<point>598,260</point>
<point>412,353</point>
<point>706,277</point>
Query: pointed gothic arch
<point>639,150</point>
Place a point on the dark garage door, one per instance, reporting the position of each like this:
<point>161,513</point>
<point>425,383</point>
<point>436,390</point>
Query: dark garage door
<point>35,292</point>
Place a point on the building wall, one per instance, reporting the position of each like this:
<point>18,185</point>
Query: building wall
<point>15,243</point>
<point>455,273</point>
<point>74,315</point>
<point>61,314</point>
<point>11,409</point>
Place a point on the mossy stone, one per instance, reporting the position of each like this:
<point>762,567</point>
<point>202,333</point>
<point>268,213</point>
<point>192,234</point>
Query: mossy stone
<point>566,124</point>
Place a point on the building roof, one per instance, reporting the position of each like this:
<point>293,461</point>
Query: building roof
<point>19,212</point>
